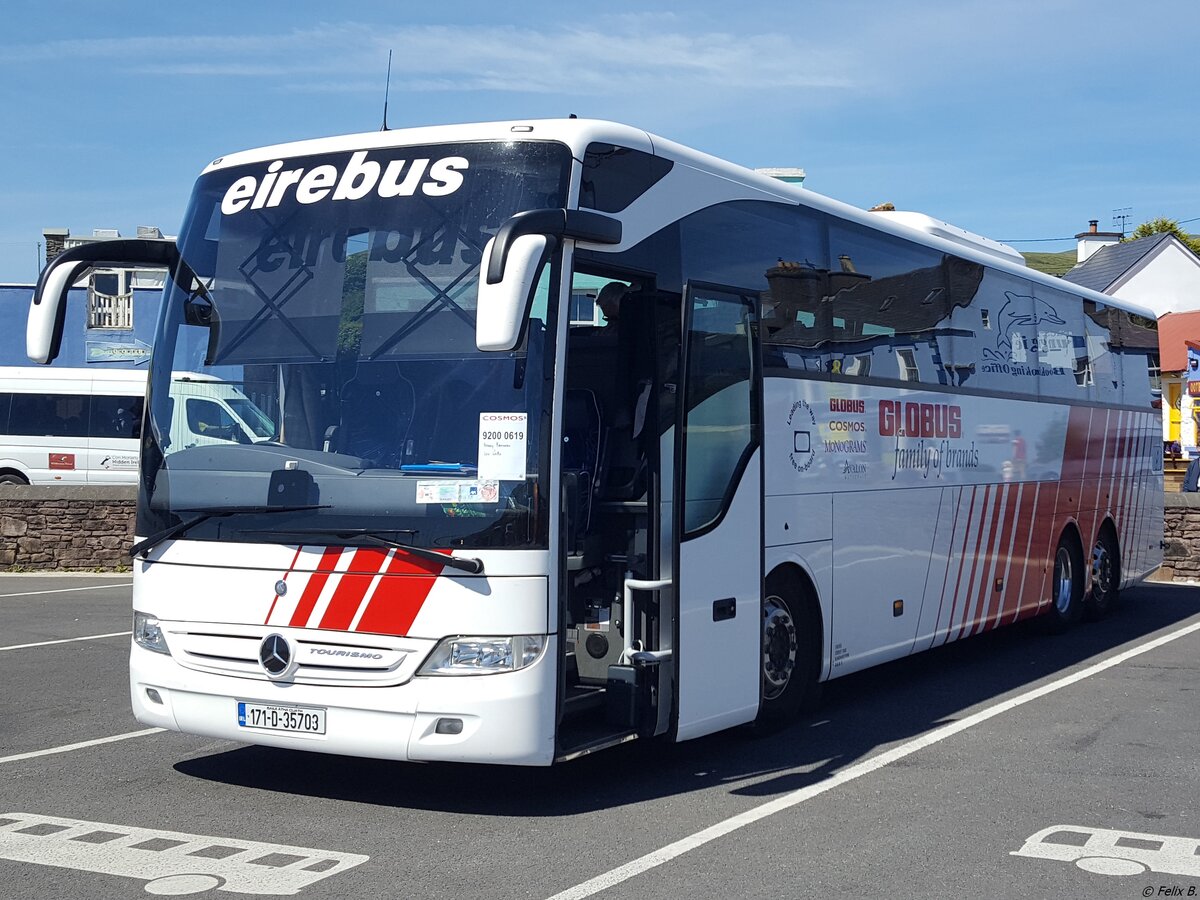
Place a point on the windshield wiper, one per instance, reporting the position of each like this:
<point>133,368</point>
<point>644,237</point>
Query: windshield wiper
<point>463,563</point>
<point>145,545</point>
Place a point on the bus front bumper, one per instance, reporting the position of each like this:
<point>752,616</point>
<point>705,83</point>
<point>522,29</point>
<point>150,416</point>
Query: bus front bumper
<point>506,718</point>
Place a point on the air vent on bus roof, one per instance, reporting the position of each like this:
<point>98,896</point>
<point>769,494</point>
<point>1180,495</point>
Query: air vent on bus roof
<point>944,230</point>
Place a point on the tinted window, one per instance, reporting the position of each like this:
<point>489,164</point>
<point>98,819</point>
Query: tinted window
<point>204,417</point>
<point>613,177</point>
<point>116,417</point>
<point>49,415</point>
<point>719,395</point>
<point>5,403</point>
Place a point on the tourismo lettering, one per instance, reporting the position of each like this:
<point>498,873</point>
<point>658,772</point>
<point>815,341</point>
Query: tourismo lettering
<point>359,177</point>
<point>919,420</point>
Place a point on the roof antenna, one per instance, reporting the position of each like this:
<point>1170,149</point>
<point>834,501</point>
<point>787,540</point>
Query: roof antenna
<point>386,88</point>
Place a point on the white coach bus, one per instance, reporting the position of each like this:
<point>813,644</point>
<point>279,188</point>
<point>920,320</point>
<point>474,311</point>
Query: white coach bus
<point>498,525</point>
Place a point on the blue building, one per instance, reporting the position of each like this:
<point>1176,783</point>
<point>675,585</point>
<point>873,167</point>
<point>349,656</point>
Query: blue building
<point>112,330</point>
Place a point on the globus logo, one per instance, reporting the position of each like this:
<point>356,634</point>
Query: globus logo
<point>919,420</point>
<point>358,178</point>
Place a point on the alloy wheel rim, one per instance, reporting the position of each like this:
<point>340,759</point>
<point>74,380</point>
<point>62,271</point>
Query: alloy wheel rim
<point>779,647</point>
<point>1065,579</point>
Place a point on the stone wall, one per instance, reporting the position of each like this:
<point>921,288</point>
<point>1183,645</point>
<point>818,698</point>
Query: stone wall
<point>60,528</point>
<point>1181,530</point>
<point>91,527</point>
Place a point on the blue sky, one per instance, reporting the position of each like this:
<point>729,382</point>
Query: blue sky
<point>1017,120</point>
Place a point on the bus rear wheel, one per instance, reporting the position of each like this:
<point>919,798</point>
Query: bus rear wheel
<point>11,478</point>
<point>1106,576</point>
<point>791,650</point>
<point>1066,585</point>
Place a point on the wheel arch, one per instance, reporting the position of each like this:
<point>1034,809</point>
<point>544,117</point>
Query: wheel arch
<point>6,469</point>
<point>793,576</point>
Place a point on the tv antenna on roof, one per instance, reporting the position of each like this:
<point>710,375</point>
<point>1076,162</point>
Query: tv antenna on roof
<point>386,88</point>
<point>1121,217</point>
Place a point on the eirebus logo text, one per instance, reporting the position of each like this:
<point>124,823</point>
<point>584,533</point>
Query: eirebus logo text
<point>358,178</point>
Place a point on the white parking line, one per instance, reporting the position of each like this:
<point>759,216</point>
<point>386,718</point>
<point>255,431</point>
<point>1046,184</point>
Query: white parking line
<point>65,748</point>
<point>90,637</point>
<point>90,587</point>
<point>787,801</point>
<point>170,862</point>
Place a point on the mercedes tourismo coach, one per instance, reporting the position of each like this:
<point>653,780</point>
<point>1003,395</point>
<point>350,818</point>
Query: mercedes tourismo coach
<point>585,436</point>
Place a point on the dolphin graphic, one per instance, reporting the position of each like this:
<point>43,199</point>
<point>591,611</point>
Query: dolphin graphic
<point>1019,312</point>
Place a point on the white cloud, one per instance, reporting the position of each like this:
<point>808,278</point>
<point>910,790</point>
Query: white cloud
<point>617,55</point>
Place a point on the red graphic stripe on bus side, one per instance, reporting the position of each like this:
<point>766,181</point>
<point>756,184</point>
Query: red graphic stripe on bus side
<point>292,565</point>
<point>971,589</point>
<point>1045,540</point>
<point>1075,448</point>
<point>991,553</point>
<point>1021,518</point>
<point>962,564</point>
<point>1109,492</point>
<point>400,595</point>
<point>1122,490</point>
<point>316,583</point>
<point>366,563</point>
<point>1091,485</point>
<point>1141,510</point>
<point>1104,491</point>
<point>1030,568</point>
<point>1004,527</point>
<point>984,557</point>
<point>949,559</point>
<point>1118,482</point>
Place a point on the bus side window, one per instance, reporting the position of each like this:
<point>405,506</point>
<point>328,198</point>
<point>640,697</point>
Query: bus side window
<point>50,415</point>
<point>119,417</point>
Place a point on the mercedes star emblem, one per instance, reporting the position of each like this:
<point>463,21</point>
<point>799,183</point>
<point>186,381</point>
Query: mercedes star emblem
<point>275,655</point>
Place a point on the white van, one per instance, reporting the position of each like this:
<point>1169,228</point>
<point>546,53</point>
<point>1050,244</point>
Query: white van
<point>81,426</point>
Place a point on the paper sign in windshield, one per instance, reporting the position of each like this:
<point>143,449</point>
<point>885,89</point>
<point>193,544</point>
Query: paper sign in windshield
<point>502,439</point>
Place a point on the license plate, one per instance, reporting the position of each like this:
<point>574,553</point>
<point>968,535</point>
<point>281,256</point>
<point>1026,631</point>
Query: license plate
<point>296,719</point>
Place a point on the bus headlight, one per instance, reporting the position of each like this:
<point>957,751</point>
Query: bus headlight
<point>148,634</point>
<point>483,655</point>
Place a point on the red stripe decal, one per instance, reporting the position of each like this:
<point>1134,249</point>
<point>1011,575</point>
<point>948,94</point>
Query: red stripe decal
<point>1000,544</point>
<point>962,556</point>
<point>1013,557</point>
<point>364,566</point>
<point>401,593</point>
<point>1045,538</point>
<point>1030,567</point>
<point>316,583</point>
<point>949,559</point>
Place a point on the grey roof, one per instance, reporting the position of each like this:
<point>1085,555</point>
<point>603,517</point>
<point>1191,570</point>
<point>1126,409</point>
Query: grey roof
<point>1107,264</point>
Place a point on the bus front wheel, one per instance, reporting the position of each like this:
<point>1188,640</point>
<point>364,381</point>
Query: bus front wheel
<point>791,649</point>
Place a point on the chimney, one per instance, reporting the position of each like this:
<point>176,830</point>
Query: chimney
<point>1093,239</point>
<point>56,241</point>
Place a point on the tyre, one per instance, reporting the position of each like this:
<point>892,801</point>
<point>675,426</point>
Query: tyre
<point>791,650</point>
<point>1066,586</point>
<point>12,478</point>
<point>1106,576</point>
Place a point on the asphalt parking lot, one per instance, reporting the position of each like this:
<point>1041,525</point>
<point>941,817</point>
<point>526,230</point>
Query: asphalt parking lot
<point>923,778</point>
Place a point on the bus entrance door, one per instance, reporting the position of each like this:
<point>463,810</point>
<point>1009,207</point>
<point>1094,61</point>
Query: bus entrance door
<point>718,514</point>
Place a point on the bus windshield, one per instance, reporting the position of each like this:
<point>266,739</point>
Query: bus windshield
<point>336,293</point>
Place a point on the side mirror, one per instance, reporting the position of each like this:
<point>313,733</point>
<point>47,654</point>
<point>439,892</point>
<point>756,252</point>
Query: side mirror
<point>48,311</point>
<point>503,305</point>
<point>514,257</point>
